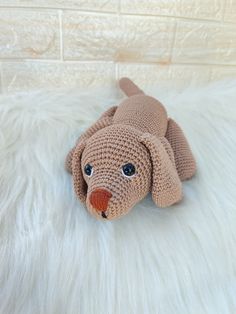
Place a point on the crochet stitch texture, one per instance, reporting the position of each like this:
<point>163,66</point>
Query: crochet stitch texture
<point>137,133</point>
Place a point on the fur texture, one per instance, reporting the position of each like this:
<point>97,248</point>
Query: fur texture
<point>56,258</point>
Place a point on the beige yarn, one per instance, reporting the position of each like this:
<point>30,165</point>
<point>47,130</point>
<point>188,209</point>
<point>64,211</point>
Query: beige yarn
<point>139,132</point>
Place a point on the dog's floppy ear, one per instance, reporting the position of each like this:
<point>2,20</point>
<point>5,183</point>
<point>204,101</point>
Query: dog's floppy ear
<point>166,185</point>
<point>102,122</point>
<point>68,162</point>
<point>80,185</point>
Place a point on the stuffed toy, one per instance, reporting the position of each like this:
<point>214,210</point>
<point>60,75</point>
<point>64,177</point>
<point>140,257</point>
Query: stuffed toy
<point>131,150</point>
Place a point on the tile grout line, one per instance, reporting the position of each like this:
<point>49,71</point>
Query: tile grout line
<point>223,12</point>
<point>116,63</point>
<point>178,17</point>
<point>119,7</point>
<point>130,62</point>
<point>60,13</point>
<point>94,12</point>
<point>173,41</point>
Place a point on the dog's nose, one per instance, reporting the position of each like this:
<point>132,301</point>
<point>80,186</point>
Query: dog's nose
<point>99,199</point>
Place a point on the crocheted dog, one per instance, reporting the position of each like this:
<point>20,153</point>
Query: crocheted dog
<point>132,149</point>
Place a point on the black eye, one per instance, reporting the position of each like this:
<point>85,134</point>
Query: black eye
<point>128,170</point>
<point>88,169</point>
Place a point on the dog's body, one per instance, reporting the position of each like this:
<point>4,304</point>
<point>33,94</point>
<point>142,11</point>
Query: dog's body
<point>144,113</point>
<point>132,149</point>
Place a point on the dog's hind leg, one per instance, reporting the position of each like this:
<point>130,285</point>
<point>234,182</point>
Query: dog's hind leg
<point>184,160</point>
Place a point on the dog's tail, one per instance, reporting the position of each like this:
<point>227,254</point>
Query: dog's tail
<point>128,87</point>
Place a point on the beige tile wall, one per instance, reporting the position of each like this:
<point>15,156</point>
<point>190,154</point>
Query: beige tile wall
<point>77,43</point>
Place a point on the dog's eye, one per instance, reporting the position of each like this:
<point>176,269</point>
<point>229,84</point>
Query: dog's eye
<point>88,169</point>
<point>128,170</point>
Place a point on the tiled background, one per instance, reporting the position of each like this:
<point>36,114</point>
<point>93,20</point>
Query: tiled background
<point>76,43</point>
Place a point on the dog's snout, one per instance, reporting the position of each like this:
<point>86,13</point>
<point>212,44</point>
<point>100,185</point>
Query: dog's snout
<point>99,199</point>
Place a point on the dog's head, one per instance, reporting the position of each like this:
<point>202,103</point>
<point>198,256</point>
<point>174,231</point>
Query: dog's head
<point>117,167</point>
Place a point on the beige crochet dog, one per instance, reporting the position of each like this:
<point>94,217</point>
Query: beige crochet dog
<point>133,149</point>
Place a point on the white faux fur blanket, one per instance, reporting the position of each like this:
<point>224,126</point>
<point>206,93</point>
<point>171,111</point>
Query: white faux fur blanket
<point>55,258</point>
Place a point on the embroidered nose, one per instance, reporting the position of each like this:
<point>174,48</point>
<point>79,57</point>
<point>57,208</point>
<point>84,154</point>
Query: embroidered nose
<point>99,199</point>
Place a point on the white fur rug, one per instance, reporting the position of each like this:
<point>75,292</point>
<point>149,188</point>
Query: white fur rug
<point>56,258</point>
